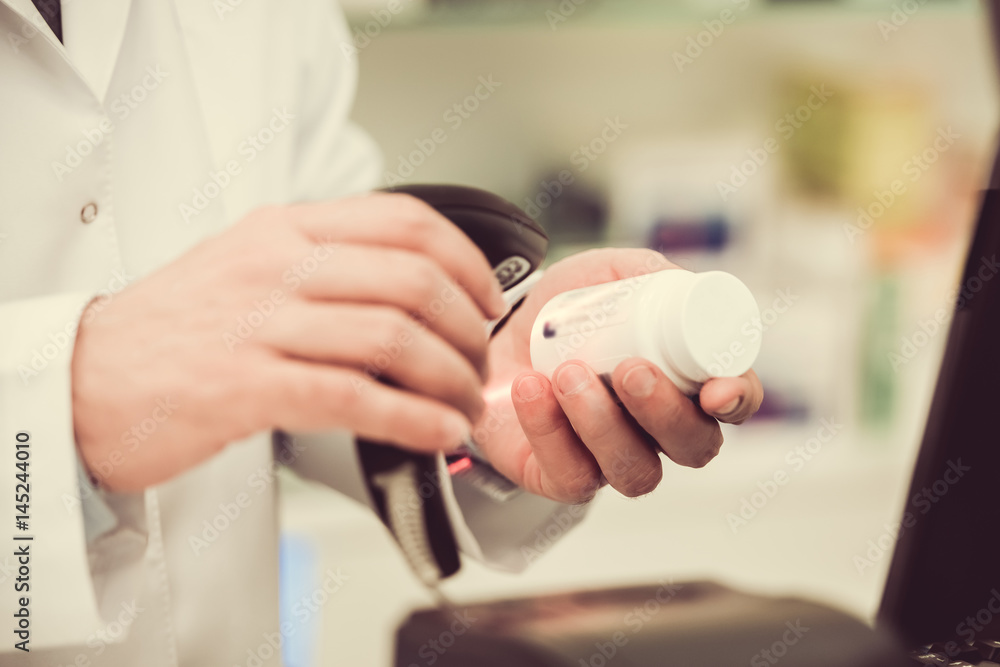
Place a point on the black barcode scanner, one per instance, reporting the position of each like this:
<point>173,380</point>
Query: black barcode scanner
<point>406,487</point>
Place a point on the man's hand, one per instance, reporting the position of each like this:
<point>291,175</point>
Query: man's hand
<point>284,321</point>
<point>564,439</point>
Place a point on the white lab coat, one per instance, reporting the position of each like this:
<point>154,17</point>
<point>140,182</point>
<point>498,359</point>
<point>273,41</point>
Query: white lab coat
<point>158,124</point>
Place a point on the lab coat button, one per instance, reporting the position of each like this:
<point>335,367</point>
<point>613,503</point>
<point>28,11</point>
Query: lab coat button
<point>88,213</point>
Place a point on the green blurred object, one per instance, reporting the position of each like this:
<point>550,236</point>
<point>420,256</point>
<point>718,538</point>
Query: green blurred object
<point>816,132</point>
<point>878,380</point>
<point>551,14</point>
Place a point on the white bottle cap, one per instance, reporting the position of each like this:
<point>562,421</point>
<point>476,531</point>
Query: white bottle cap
<point>710,328</point>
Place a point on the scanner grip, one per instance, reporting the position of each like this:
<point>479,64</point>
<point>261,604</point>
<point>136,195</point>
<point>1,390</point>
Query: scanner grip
<point>406,486</point>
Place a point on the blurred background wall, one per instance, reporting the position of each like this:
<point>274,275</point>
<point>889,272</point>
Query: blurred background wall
<point>663,118</point>
<point>828,153</point>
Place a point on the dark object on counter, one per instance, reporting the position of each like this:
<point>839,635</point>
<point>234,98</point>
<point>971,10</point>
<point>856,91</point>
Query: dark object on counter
<point>665,625</point>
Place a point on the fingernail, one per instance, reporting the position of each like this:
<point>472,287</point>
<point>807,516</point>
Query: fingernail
<point>497,302</point>
<point>529,388</point>
<point>572,379</point>
<point>639,382</point>
<point>730,407</point>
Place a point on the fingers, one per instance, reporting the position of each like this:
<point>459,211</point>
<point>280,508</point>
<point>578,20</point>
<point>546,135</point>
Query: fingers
<point>379,342</point>
<point>732,400</point>
<point>309,397</point>
<point>577,431</point>
<point>411,282</point>
<point>404,222</point>
<point>685,433</point>
<point>577,414</point>
<point>563,468</point>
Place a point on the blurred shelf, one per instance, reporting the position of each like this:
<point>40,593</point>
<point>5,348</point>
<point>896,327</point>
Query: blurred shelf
<point>553,14</point>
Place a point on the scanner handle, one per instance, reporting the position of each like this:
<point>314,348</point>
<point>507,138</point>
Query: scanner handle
<point>407,487</point>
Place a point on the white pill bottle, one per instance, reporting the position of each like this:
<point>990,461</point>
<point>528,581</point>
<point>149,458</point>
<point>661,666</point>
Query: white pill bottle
<point>693,326</point>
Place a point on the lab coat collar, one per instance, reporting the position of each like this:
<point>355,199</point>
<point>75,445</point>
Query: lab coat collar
<point>29,14</point>
<point>93,33</point>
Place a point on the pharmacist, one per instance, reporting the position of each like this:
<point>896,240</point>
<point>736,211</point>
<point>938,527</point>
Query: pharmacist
<point>152,152</point>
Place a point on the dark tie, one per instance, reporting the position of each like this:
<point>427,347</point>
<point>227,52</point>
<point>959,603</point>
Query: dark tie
<point>51,11</point>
